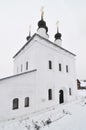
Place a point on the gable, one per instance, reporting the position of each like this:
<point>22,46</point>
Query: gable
<point>48,41</point>
<point>24,46</point>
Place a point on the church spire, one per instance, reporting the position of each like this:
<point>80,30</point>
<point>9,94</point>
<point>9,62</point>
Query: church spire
<point>42,23</point>
<point>28,37</point>
<point>57,23</point>
<point>57,36</point>
<point>42,13</point>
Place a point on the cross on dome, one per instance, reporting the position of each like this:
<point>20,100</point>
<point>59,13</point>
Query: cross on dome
<point>57,24</point>
<point>29,30</point>
<point>57,35</point>
<point>42,12</point>
<point>42,23</point>
<point>28,37</point>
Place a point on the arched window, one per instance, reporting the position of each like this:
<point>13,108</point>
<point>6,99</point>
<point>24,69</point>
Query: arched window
<point>70,91</point>
<point>21,67</point>
<point>60,67</point>
<point>67,68</point>
<point>27,102</point>
<point>50,64</point>
<point>27,65</point>
<point>50,94</point>
<point>15,103</point>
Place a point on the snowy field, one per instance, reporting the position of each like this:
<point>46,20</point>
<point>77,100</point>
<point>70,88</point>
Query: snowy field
<point>70,116</point>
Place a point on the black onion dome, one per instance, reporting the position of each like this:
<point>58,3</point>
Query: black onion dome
<point>28,37</point>
<point>58,36</point>
<point>42,24</point>
<point>46,29</point>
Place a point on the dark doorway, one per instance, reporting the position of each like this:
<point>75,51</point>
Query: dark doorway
<point>61,96</point>
<point>49,94</point>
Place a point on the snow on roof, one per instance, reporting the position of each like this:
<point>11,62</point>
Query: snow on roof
<point>18,74</point>
<point>83,83</point>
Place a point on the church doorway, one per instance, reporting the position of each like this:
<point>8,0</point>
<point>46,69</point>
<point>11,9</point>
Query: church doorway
<point>61,96</point>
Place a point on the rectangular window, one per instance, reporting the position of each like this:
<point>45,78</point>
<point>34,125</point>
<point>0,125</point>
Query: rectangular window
<point>60,68</point>
<point>27,65</point>
<point>70,91</point>
<point>27,102</point>
<point>17,69</point>
<point>50,64</point>
<point>21,67</point>
<point>15,103</point>
<point>67,68</point>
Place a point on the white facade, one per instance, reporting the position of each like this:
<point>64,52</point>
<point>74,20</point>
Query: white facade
<point>38,79</point>
<point>18,86</point>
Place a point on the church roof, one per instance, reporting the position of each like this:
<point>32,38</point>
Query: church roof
<point>45,40</point>
<point>18,74</point>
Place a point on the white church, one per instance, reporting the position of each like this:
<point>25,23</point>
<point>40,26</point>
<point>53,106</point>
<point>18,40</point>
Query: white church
<point>44,76</point>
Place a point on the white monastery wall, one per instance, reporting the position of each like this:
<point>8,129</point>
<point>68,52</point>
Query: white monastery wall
<point>54,79</point>
<point>28,54</point>
<point>38,53</point>
<point>17,87</point>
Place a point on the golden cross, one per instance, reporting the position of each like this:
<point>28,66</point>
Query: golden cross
<point>42,13</point>
<point>29,30</point>
<point>57,24</point>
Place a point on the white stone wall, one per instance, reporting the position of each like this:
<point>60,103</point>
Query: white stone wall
<point>38,53</point>
<point>28,54</point>
<point>54,79</point>
<point>17,87</point>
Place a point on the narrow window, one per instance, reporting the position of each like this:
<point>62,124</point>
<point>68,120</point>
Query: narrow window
<point>27,102</point>
<point>27,65</point>
<point>60,68</point>
<point>67,68</point>
<point>15,103</point>
<point>17,69</point>
<point>21,67</point>
<point>49,94</point>
<point>70,91</point>
<point>50,64</point>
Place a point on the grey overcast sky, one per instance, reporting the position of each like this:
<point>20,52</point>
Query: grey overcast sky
<point>17,15</point>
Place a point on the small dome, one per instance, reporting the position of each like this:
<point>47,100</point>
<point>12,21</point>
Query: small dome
<point>46,29</point>
<point>28,37</point>
<point>58,36</point>
<point>42,24</point>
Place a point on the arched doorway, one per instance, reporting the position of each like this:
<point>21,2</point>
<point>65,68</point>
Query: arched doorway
<point>49,94</point>
<point>61,96</point>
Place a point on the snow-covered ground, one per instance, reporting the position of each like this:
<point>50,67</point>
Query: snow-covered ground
<point>70,116</point>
